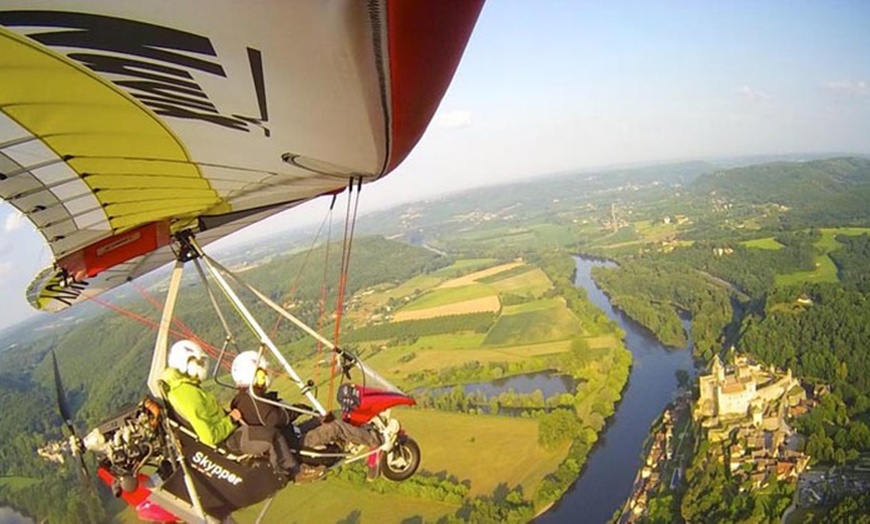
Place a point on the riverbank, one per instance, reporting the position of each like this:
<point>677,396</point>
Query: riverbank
<point>607,477</point>
<point>664,458</point>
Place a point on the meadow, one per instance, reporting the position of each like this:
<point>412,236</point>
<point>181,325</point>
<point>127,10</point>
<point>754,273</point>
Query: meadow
<point>532,282</point>
<point>488,273</point>
<point>444,296</point>
<point>826,270</point>
<point>485,451</point>
<point>16,483</point>
<point>763,243</point>
<point>475,305</point>
<point>534,325</point>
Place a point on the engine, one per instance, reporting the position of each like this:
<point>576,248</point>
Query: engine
<point>128,441</point>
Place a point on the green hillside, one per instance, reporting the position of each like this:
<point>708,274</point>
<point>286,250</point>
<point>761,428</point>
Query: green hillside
<point>818,193</point>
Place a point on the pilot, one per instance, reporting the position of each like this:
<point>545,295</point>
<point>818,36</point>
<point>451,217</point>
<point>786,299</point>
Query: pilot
<point>186,370</point>
<point>248,366</point>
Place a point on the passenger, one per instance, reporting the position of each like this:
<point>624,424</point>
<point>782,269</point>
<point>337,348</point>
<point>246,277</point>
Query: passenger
<point>213,425</point>
<point>316,432</point>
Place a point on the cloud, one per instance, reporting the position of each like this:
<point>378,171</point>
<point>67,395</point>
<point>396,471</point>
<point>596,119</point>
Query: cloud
<point>453,119</point>
<point>848,87</point>
<point>752,94</point>
<point>14,220</point>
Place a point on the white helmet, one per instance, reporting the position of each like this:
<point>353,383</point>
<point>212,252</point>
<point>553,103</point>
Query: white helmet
<point>186,356</point>
<point>249,368</point>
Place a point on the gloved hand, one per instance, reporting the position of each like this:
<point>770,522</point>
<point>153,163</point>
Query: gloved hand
<point>293,414</point>
<point>329,417</point>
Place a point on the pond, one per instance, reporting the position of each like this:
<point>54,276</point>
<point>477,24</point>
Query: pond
<point>548,382</point>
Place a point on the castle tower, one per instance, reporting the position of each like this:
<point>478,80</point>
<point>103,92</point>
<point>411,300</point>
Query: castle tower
<point>718,370</point>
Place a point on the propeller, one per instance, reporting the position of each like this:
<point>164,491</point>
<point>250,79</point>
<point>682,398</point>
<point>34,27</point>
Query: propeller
<point>76,444</point>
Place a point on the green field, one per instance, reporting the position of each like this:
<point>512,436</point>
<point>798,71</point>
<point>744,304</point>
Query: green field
<point>486,450</point>
<point>464,267</point>
<point>537,305</point>
<point>654,232</point>
<point>443,297</point>
<point>552,235</point>
<point>16,483</point>
<point>338,501</point>
<point>763,243</point>
<point>452,341</point>
<point>555,323</point>
<point>388,362</point>
<point>533,283</point>
<point>469,447</point>
<point>826,270</point>
<point>533,236</point>
<point>492,233</point>
<point>445,324</point>
<point>828,242</point>
<point>420,282</point>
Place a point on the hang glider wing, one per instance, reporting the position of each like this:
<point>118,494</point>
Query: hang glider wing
<point>123,123</point>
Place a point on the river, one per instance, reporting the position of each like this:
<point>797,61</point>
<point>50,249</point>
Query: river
<point>606,480</point>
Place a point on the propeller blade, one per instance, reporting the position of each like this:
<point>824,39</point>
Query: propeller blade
<point>62,404</point>
<point>85,475</point>
<point>65,412</point>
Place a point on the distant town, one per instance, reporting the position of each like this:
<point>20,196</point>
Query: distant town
<point>745,408</point>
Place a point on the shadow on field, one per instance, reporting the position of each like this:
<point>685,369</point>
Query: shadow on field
<point>354,517</point>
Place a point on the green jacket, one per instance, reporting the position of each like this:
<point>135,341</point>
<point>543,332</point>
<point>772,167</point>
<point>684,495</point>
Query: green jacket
<point>198,406</point>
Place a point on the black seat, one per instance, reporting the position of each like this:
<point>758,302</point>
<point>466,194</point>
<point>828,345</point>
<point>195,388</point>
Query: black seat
<point>224,481</point>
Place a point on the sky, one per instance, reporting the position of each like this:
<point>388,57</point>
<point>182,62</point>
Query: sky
<point>553,86</point>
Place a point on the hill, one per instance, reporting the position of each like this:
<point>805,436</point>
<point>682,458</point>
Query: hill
<point>817,193</point>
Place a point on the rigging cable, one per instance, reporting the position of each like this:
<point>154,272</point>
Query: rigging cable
<point>324,290</point>
<point>189,333</point>
<point>228,334</point>
<point>349,228</point>
<point>185,330</point>
<point>294,286</point>
<point>208,348</point>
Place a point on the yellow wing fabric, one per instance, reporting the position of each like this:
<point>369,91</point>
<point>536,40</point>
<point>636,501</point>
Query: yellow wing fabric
<point>123,123</point>
<point>73,134</point>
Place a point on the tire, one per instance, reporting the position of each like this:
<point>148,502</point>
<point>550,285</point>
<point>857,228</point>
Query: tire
<point>401,462</point>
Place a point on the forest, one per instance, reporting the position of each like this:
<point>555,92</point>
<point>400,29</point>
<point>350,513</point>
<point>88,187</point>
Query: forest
<point>818,342</point>
<point>655,292</point>
<point>819,193</point>
<point>853,262</point>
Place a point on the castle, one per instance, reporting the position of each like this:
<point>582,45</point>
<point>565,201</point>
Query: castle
<point>744,392</point>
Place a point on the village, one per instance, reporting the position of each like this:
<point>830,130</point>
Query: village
<point>744,407</point>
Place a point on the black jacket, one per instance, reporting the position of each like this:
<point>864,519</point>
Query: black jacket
<point>259,413</point>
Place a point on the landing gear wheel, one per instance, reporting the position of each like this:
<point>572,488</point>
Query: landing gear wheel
<point>402,461</point>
